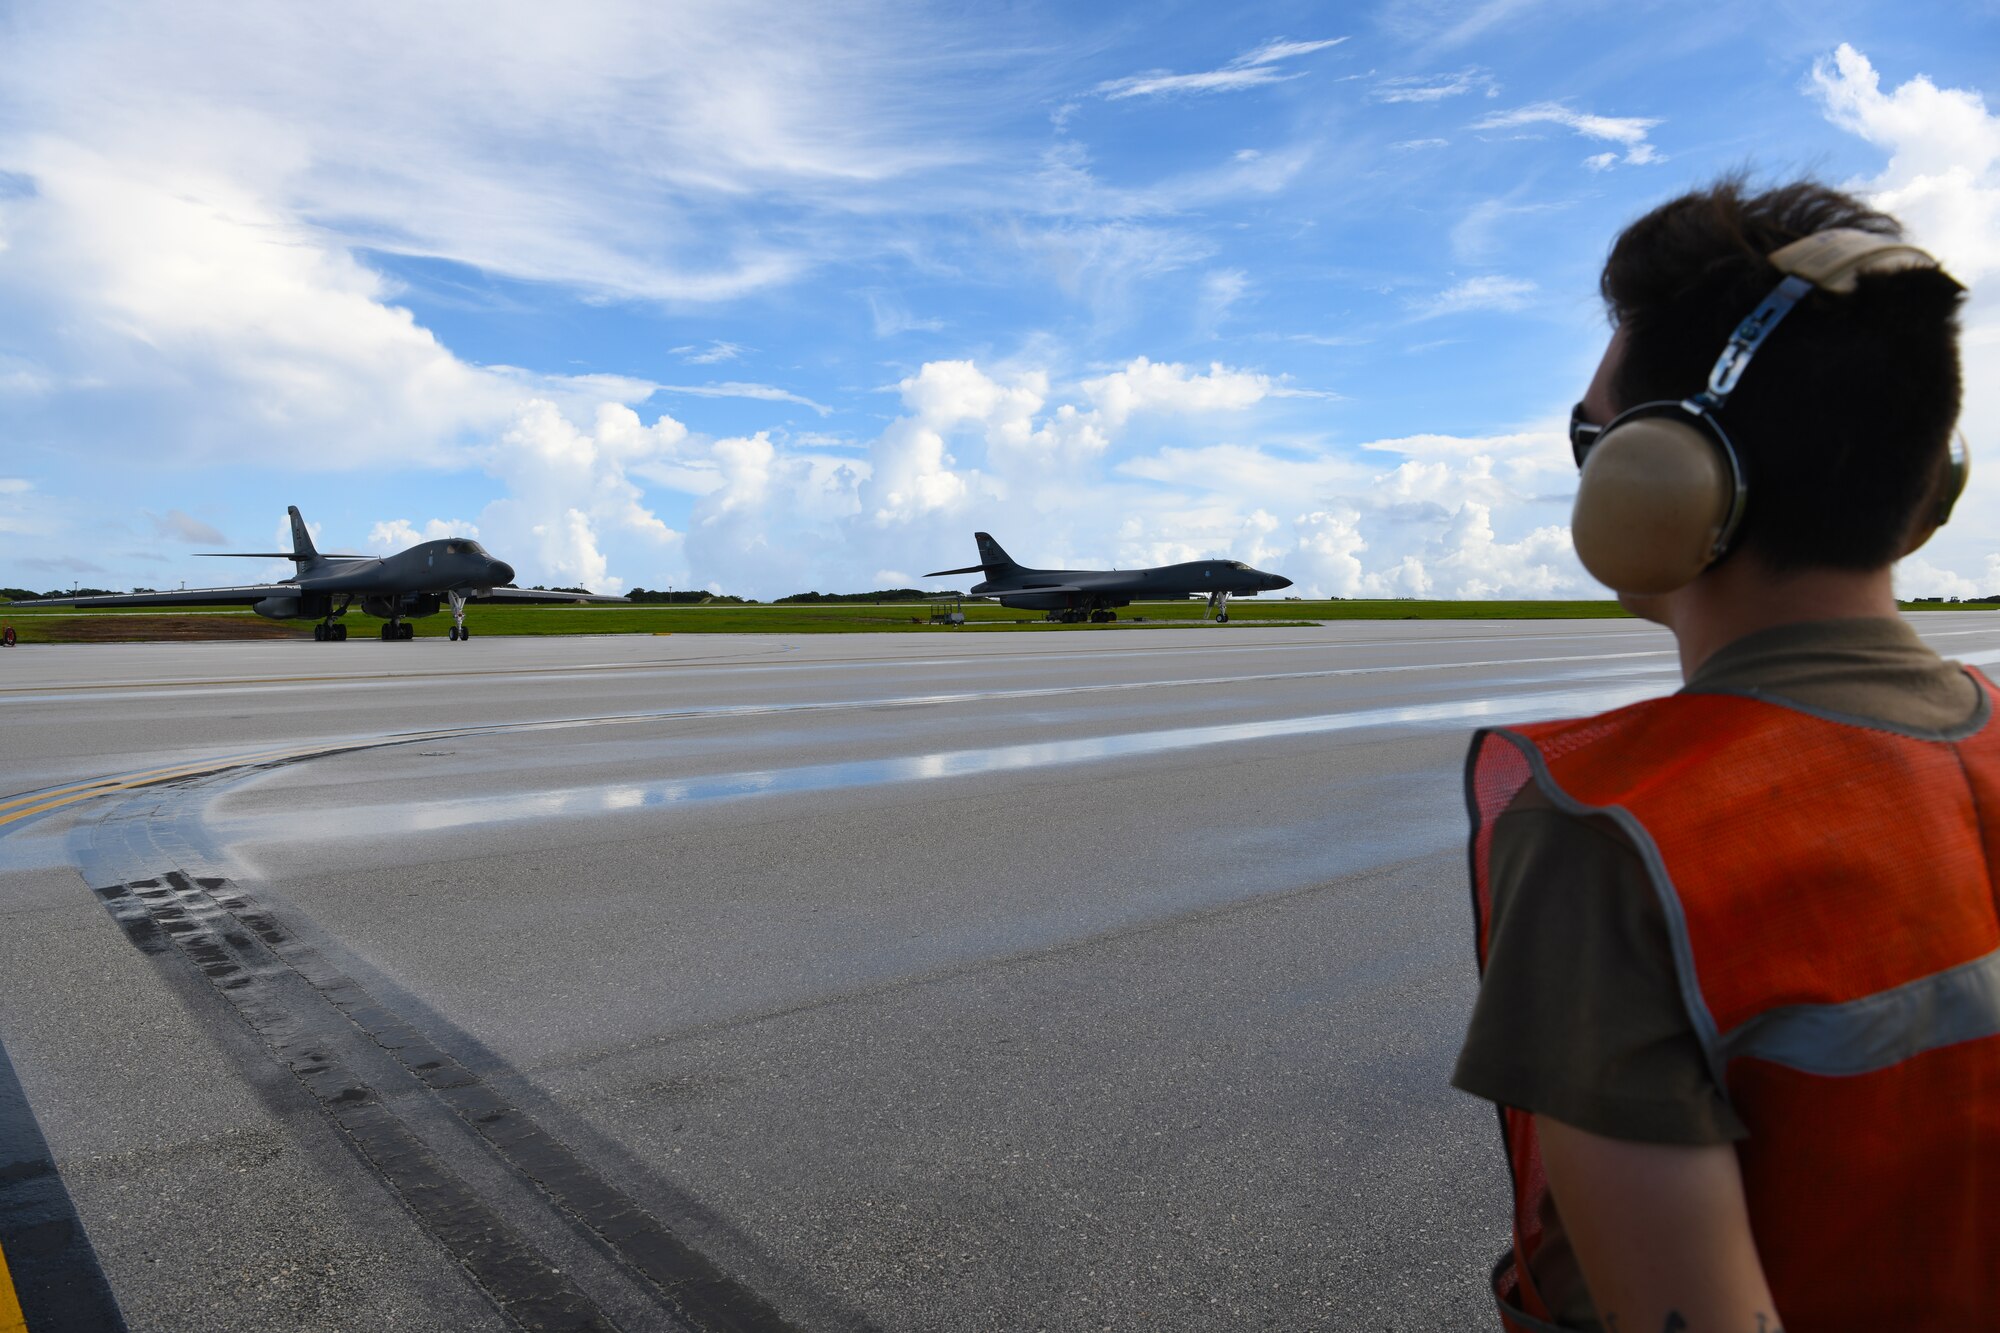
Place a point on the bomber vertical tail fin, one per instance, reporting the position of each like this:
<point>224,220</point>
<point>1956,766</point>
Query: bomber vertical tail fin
<point>993,560</point>
<point>303,549</point>
<point>992,556</point>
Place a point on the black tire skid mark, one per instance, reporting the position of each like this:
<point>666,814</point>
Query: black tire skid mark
<point>236,942</point>
<point>699,1291</point>
<point>170,914</point>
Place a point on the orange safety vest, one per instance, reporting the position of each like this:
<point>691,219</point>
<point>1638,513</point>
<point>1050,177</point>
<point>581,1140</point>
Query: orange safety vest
<point>1831,889</point>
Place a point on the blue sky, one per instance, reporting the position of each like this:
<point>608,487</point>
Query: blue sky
<point>774,297</point>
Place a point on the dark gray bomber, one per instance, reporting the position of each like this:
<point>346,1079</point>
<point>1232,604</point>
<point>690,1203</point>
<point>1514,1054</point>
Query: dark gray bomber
<point>1072,595</point>
<point>410,584</point>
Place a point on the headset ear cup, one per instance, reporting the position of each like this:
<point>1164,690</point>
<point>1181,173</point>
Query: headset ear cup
<point>1652,503</point>
<point>1958,471</point>
<point>1950,486</point>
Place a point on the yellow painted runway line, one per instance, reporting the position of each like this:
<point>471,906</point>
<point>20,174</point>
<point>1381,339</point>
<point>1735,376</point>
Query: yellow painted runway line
<point>120,781</point>
<point>11,1318</point>
<point>35,803</point>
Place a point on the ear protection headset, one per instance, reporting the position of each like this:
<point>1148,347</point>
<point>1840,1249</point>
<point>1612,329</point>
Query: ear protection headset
<point>1663,489</point>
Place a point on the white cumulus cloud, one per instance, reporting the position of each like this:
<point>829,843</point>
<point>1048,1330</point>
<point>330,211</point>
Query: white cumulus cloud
<point>396,534</point>
<point>569,485</point>
<point>1942,179</point>
<point>1043,467</point>
<point>1144,385</point>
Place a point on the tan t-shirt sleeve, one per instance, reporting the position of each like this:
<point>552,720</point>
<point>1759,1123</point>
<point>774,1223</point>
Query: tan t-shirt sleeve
<point>1579,1014</point>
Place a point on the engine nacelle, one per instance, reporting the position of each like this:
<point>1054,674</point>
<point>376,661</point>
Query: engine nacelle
<point>408,607</point>
<point>277,608</point>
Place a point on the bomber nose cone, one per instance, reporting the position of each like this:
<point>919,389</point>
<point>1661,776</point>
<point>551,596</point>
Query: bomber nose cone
<point>1279,581</point>
<point>502,572</point>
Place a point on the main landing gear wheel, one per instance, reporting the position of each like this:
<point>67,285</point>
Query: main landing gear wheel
<point>320,633</point>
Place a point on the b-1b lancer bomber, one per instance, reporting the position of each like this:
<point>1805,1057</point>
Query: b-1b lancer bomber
<point>1075,595</point>
<point>397,588</point>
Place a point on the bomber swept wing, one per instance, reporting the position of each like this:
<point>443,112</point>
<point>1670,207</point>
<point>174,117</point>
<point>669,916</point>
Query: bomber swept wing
<point>512,594</point>
<point>243,595</point>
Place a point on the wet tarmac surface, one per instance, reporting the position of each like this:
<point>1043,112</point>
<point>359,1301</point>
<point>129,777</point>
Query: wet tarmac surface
<point>1101,979</point>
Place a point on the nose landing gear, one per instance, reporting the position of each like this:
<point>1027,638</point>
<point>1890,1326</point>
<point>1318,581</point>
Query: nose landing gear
<point>459,633</point>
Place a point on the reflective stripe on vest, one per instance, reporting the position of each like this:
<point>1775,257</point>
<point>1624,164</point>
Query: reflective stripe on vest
<point>1829,895</point>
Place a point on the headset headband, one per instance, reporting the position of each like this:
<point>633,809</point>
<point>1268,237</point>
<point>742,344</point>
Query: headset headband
<point>1829,260</point>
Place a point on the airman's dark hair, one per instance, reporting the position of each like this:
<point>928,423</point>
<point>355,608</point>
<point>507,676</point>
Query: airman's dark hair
<point>1844,417</point>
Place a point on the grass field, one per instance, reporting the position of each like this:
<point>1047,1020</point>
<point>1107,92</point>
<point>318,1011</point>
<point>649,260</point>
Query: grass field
<point>189,623</point>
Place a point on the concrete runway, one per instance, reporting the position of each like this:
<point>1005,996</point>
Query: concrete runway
<point>1098,979</point>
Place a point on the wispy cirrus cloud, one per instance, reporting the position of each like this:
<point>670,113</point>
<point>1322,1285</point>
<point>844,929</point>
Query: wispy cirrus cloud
<point>1478,236</point>
<point>1629,131</point>
<point>1252,69</point>
<point>717,350</point>
<point>386,126</point>
<point>178,526</point>
<point>1436,87</point>
<point>892,317</point>
<point>1442,24</point>
<point>1488,292</point>
<point>769,393</point>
